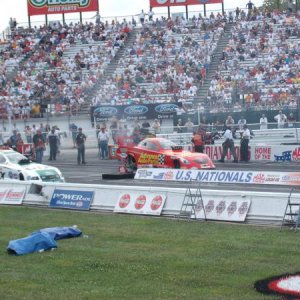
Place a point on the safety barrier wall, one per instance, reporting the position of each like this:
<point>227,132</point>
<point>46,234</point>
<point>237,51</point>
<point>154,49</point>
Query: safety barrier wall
<point>265,208</point>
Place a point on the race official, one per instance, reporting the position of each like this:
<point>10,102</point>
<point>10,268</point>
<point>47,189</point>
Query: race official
<point>53,142</point>
<point>39,146</point>
<point>103,138</point>
<point>228,144</point>
<point>244,144</point>
<point>80,144</point>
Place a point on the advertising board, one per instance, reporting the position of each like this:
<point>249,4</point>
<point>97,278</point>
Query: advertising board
<point>162,3</point>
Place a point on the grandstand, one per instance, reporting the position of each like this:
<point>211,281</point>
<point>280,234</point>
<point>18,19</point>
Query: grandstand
<point>209,64</point>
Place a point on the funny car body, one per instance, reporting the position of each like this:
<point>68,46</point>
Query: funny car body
<point>16,166</point>
<point>162,153</point>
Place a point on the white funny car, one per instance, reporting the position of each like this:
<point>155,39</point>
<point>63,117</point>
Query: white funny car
<point>16,166</point>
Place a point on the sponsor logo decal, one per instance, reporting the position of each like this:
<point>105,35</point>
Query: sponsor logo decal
<point>140,202</point>
<point>146,158</point>
<point>287,286</point>
<point>124,201</point>
<point>209,207</point>
<point>156,202</point>
<point>286,156</point>
<point>166,108</point>
<point>220,207</point>
<point>243,208</point>
<point>105,111</point>
<point>169,175</point>
<point>259,178</point>
<point>160,176</point>
<point>231,209</point>
<point>136,110</point>
<point>40,3</point>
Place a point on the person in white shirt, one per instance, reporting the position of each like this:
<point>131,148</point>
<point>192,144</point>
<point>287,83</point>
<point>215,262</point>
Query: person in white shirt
<point>263,121</point>
<point>228,144</point>
<point>244,144</point>
<point>103,138</point>
<point>281,119</point>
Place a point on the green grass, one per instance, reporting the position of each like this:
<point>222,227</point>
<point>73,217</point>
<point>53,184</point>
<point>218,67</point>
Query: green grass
<point>132,257</point>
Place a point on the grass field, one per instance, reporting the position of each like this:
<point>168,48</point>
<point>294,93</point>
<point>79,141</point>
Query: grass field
<point>132,257</point>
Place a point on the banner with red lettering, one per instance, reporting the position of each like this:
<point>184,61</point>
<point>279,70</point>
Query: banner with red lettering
<point>141,203</point>
<point>47,7</point>
<point>165,3</point>
<point>13,196</point>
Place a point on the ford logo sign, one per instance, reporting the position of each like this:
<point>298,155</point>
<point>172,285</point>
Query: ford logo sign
<point>166,108</point>
<point>105,111</point>
<point>203,1</point>
<point>136,110</point>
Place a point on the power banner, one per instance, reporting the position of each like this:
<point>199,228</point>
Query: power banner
<point>223,209</point>
<point>222,176</point>
<point>141,203</point>
<point>134,112</point>
<point>72,199</point>
<point>12,196</point>
<point>47,7</point>
<point>165,3</point>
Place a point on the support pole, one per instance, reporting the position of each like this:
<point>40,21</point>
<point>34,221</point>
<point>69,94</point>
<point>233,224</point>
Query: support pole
<point>204,10</point>
<point>186,12</point>
<point>169,13</point>
<point>223,10</point>
<point>29,22</point>
<point>80,17</point>
<point>46,20</point>
<point>63,19</point>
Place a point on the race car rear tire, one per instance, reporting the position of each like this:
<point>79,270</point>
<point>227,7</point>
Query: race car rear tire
<point>130,164</point>
<point>176,164</point>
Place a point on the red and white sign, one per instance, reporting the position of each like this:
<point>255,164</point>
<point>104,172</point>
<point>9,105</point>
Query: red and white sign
<point>223,209</point>
<point>13,196</point>
<point>162,3</point>
<point>141,203</point>
<point>47,7</point>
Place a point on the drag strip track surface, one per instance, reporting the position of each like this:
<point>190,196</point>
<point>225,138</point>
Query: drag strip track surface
<point>91,173</point>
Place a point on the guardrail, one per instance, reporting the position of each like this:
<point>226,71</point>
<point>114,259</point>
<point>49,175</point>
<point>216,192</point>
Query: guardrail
<point>266,207</point>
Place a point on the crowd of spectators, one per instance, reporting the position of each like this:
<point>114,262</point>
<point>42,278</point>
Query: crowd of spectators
<point>260,65</point>
<point>167,62</point>
<point>37,70</point>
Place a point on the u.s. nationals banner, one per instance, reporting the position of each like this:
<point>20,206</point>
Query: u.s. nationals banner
<point>47,7</point>
<point>162,3</point>
<point>221,176</point>
<point>223,209</point>
<point>141,203</point>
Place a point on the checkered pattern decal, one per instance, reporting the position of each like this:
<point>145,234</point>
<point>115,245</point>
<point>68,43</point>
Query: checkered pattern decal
<point>161,159</point>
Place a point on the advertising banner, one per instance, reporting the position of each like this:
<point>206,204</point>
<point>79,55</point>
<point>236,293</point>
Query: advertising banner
<point>221,176</point>
<point>71,199</point>
<point>47,7</point>
<point>162,3</point>
<point>141,203</point>
<point>278,153</point>
<point>12,196</point>
<point>223,209</point>
<point>134,112</point>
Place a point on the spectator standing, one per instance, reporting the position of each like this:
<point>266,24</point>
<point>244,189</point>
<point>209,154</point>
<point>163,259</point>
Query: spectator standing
<point>241,122</point>
<point>250,6</point>
<point>281,119</point>
<point>80,144</point>
<point>290,6</point>
<point>150,14</point>
<point>28,134</point>
<point>179,126</point>
<point>291,120</point>
<point>189,125</point>
<point>245,144</point>
<point>229,121</point>
<point>103,138</point>
<point>142,17</point>
<point>156,126</point>
<point>74,129</point>
<point>263,121</point>
<point>13,140</point>
<point>53,141</point>
<point>228,144</point>
<point>39,146</point>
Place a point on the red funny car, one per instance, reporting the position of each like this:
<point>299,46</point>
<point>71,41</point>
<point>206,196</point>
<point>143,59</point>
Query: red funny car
<point>162,153</point>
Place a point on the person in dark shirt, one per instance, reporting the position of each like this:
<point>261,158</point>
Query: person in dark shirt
<point>80,144</point>
<point>53,141</point>
<point>250,5</point>
<point>39,146</point>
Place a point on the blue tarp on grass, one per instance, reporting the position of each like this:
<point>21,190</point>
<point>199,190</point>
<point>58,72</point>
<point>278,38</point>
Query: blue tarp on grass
<point>34,243</point>
<point>58,233</point>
